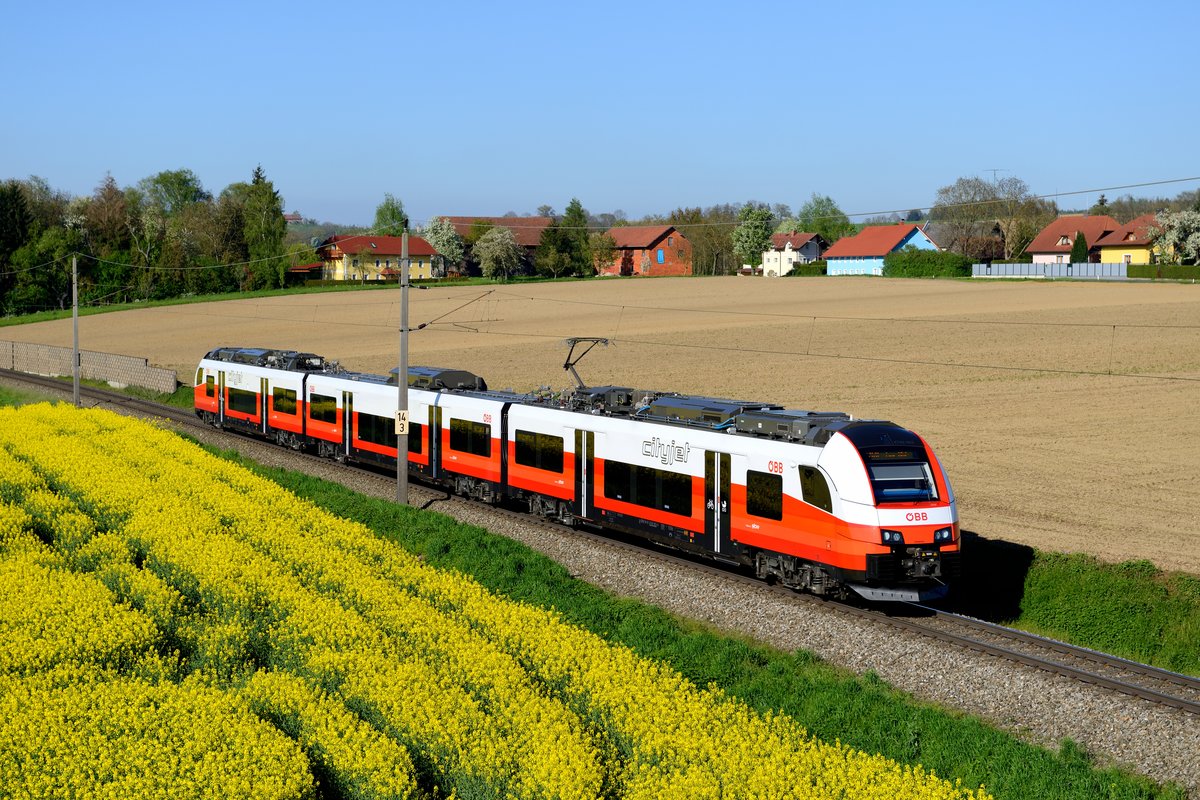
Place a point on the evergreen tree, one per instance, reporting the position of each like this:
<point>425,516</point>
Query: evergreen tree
<point>573,233</point>
<point>264,228</point>
<point>1079,249</point>
<point>390,219</point>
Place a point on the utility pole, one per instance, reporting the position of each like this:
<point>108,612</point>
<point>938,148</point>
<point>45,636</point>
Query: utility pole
<point>75,324</point>
<point>402,381</point>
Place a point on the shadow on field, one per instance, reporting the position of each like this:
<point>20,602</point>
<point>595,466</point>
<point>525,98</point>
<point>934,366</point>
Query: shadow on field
<point>993,578</point>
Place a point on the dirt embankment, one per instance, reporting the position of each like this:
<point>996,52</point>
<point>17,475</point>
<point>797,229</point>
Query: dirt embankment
<point>1063,412</point>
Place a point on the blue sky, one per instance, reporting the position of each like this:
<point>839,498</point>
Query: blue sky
<point>482,108</point>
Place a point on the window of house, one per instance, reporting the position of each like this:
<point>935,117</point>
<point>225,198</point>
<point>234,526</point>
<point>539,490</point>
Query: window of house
<point>1063,241</point>
<point>660,255</point>
<point>540,450</point>
<point>670,241</point>
<point>764,494</point>
<point>648,487</point>
<point>471,437</point>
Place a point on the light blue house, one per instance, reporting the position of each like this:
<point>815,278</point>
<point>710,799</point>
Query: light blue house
<point>863,254</point>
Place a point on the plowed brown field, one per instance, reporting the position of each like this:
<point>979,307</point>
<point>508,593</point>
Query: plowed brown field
<point>1065,413</point>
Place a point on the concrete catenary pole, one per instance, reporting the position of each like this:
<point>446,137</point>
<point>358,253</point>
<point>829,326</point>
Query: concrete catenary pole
<point>75,326</point>
<point>402,381</point>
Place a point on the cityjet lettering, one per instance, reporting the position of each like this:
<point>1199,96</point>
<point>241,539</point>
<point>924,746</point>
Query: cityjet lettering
<point>666,453</point>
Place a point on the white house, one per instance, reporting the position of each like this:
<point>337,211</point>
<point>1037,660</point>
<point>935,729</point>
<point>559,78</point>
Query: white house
<point>788,250</point>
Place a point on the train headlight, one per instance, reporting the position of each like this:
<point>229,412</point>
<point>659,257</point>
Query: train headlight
<point>891,537</point>
<point>942,535</point>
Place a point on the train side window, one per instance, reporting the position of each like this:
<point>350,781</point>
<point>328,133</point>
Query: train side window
<point>764,494</point>
<point>540,450</point>
<point>283,400</point>
<point>382,431</point>
<point>815,489</point>
<point>471,437</point>
<point>322,408</point>
<point>199,376</point>
<point>210,386</point>
<point>242,401</point>
<point>648,487</point>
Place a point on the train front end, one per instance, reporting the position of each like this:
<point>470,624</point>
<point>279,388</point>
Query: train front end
<point>900,509</point>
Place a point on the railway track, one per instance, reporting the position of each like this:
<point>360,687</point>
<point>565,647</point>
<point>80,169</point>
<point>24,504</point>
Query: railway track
<point>1079,664</point>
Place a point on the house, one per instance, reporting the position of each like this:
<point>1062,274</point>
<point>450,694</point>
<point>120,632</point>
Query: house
<point>302,272</point>
<point>789,249</point>
<point>293,218</point>
<point>1131,243</point>
<point>649,250</point>
<point>367,257</point>
<point>1053,244</point>
<point>862,254</point>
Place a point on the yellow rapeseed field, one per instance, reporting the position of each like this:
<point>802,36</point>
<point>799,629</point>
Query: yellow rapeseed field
<point>172,625</point>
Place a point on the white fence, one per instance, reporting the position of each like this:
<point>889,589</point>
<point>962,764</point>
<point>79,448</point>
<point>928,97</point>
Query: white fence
<point>1101,272</point>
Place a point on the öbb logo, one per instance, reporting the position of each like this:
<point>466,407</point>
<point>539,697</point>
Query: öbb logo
<point>917,516</point>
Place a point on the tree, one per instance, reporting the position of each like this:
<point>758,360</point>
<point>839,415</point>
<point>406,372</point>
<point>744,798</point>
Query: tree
<point>709,232</point>
<point>1177,235</point>
<point>604,250</point>
<point>265,229</point>
<point>545,210</point>
<point>106,216</point>
<point>390,219</point>
<point>752,236</point>
<point>965,213</point>
<point>564,247</point>
<point>1079,249</point>
<point>498,254</point>
<point>15,222</point>
<point>1019,214</point>
<point>171,190</point>
<point>441,234</point>
<point>914,215</point>
<point>821,215</point>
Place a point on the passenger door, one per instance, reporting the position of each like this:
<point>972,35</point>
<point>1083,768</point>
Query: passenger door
<point>716,501</point>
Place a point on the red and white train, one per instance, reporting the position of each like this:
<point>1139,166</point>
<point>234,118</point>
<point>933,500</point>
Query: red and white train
<point>815,500</point>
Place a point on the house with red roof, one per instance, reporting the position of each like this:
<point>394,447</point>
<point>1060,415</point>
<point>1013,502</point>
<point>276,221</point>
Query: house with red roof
<point>367,257</point>
<point>527,231</point>
<point>1053,244</point>
<point>789,249</point>
<point>649,250</point>
<point>1132,243</point>
<point>863,253</point>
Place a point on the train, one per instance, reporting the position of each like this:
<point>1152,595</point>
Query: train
<point>815,500</point>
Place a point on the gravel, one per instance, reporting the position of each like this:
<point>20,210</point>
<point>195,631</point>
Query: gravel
<point>1158,742</point>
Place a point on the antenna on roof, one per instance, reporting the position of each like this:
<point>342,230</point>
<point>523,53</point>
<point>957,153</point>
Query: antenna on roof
<point>569,366</point>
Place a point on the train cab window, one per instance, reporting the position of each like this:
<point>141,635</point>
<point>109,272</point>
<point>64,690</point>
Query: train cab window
<point>283,400</point>
<point>540,450</point>
<point>648,487</point>
<point>471,437</point>
<point>322,408</point>
<point>764,494</point>
<point>199,376</point>
<point>242,401</point>
<point>210,386</point>
<point>815,489</point>
<point>902,483</point>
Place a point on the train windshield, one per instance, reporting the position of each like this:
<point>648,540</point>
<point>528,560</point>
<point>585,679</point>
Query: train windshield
<point>899,474</point>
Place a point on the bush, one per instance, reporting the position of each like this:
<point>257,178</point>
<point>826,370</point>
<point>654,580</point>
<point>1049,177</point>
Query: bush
<point>813,268</point>
<point>914,263</point>
<point>1168,271</point>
